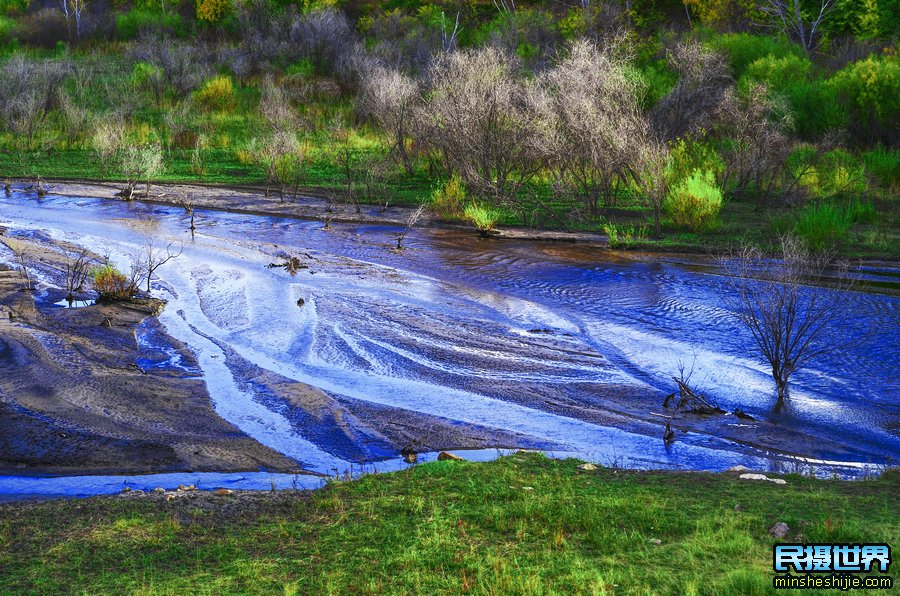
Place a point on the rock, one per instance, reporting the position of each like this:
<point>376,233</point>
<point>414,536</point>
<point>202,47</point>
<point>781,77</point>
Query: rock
<point>410,457</point>
<point>300,301</point>
<point>186,487</point>
<point>444,456</point>
<point>137,492</point>
<point>170,497</point>
<point>159,490</point>
<point>779,530</point>
<point>738,507</point>
<point>762,477</point>
<point>753,477</point>
<point>655,541</point>
<point>738,469</point>
<point>223,491</point>
<point>125,490</point>
<point>587,467</point>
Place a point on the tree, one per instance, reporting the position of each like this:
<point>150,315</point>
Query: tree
<point>152,255</point>
<point>789,306</point>
<point>789,17</point>
<point>77,269</point>
<point>280,151</point>
<point>140,163</point>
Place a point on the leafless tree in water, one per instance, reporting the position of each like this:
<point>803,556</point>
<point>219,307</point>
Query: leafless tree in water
<point>790,305</point>
<point>77,269</point>
<point>411,221</point>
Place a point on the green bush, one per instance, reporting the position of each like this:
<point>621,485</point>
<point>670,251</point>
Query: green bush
<point>129,25</point>
<point>870,89</point>
<point>778,73</point>
<point>620,236</point>
<point>694,203</point>
<point>688,157</point>
<point>743,49</point>
<point>301,68</point>
<point>815,108</point>
<point>823,225</point>
<point>7,26</point>
<point>840,173</point>
<point>216,94</point>
<point>111,285</point>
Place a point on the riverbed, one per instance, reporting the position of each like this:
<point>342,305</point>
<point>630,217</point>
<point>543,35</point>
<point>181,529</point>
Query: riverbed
<point>453,342</point>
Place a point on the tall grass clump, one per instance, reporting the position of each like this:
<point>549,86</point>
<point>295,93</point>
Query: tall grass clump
<point>131,24</point>
<point>884,166</point>
<point>484,218</point>
<point>823,225</point>
<point>743,49</point>
<point>695,202</point>
<point>448,199</point>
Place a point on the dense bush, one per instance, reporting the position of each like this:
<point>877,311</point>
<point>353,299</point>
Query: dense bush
<point>815,108</point>
<point>45,28</point>
<point>137,22</point>
<point>871,90</point>
<point>823,226</point>
<point>216,94</point>
<point>884,165</point>
<point>482,217</point>
<point>7,27</point>
<point>743,49</point>
<point>112,285</point>
<point>694,203</point>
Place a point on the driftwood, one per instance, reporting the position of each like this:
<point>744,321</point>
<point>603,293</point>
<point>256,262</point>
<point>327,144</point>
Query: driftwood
<point>691,402</point>
<point>291,265</point>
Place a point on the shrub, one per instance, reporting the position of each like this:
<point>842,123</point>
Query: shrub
<point>870,89</point>
<point>688,157</point>
<point>482,217</point>
<point>840,173</point>
<point>778,72</point>
<point>45,28</point>
<point>7,26</point>
<point>213,11</point>
<point>448,198</point>
<point>743,49</point>
<point>111,285</point>
<point>620,236</point>
<point>694,203</point>
<point>815,108</point>
<point>216,94</point>
<point>823,225</point>
<point>131,24</point>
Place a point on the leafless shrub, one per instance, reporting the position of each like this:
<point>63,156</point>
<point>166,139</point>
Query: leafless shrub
<point>479,120</point>
<point>279,151</point>
<point>704,80</point>
<point>28,94</point>
<point>391,99</point>
<point>593,125</point>
<point>323,36</point>
<point>21,257</point>
<point>183,67</point>
<point>756,122</point>
<point>411,221</point>
<point>789,305</point>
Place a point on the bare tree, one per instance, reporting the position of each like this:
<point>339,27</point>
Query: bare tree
<point>76,270</point>
<point>789,306</point>
<point>21,257</point>
<point>152,255</point>
<point>28,95</point>
<point>704,80</point>
<point>140,164</point>
<point>280,151</point>
<point>788,17</point>
<point>391,98</point>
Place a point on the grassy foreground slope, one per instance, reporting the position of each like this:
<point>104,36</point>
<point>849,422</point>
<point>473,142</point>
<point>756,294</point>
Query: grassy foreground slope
<point>521,524</point>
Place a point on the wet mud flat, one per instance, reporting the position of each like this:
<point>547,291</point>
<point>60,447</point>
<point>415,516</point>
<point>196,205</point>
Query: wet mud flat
<point>75,399</point>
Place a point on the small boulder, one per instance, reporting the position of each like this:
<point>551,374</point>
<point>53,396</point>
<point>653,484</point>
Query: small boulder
<point>445,456</point>
<point>126,490</point>
<point>186,487</point>
<point>223,491</point>
<point>737,469</point>
<point>779,530</point>
<point>159,490</point>
<point>587,467</point>
<point>753,477</point>
<point>410,457</point>
<point>655,541</point>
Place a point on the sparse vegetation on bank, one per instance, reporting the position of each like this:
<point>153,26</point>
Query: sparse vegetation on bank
<point>521,524</point>
<point>697,121</point>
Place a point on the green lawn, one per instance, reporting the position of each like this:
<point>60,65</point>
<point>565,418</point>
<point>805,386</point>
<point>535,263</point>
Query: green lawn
<point>521,524</point>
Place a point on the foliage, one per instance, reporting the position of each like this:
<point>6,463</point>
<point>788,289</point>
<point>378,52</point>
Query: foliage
<point>743,49</point>
<point>884,165</point>
<point>621,236</point>
<point>112,285</point>
<point>216,94</point>
<point>687,157</point>
<point>213,11</point>
<point>7,28</point>
<point>823,225</point>
<point>694,203</point>
<point>871,90</point>
<point>484,218</point>
<point>133,23</point>
<point>448,198</point>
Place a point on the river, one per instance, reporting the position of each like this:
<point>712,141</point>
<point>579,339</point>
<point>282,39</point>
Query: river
<point>551,342</point>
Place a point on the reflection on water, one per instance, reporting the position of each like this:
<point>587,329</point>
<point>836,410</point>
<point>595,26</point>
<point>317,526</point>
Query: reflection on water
<point>544,339</point>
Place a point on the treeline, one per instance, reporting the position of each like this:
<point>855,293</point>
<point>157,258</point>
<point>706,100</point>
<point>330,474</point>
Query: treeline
<point>544,113</point>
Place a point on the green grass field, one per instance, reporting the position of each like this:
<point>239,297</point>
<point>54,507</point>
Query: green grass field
<point>520,524</point>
